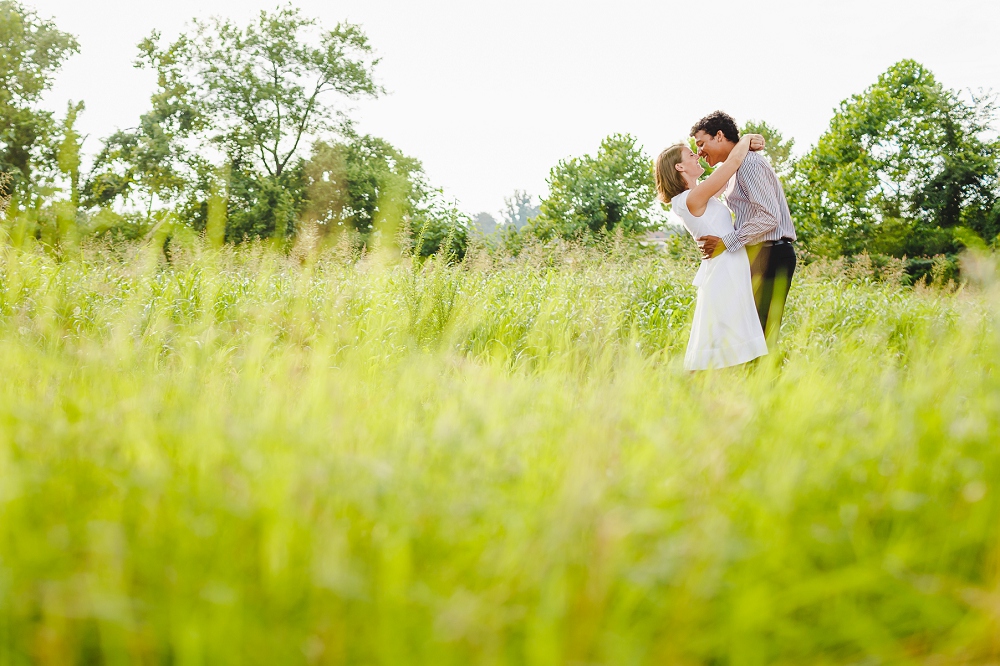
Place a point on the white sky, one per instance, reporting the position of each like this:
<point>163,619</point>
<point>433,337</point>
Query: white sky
<point>491,95</point>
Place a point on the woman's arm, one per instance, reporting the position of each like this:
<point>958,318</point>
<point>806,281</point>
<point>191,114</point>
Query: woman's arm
<point>697,200</point>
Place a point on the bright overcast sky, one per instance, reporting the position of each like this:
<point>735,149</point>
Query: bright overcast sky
<point>491,95</point>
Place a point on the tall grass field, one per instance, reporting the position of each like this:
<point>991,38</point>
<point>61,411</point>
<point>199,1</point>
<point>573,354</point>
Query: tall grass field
<point>244,456</point>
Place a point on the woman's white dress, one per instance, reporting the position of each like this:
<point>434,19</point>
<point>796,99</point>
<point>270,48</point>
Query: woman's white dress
<point>726,330</point>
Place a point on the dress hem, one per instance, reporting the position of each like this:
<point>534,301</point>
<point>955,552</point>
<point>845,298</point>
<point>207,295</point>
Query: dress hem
<point>724,357</point>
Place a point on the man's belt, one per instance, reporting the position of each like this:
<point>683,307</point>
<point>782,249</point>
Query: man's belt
<point>780,241</point>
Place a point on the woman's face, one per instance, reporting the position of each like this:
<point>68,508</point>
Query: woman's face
<point>689,163</point>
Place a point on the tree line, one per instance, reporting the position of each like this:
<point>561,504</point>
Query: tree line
<point>248,135</point>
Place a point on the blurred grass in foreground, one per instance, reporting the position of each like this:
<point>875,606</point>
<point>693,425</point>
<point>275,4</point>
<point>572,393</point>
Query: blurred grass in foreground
<point>245,458</point>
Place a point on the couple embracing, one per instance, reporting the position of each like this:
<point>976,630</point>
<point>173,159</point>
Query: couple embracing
<point>747,266</point>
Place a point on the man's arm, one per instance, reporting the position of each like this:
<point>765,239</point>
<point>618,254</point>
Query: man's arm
<point>756,181</point>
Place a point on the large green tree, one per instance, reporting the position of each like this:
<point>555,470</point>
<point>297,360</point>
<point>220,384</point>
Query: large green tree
<point>590,195</point>
<point>154,163</point>
<point>902,166</point>
<point>367,186</point>
<point>242,101</point>
<point>271,85</point>
<point>355,183</point>
<point>32,50</point>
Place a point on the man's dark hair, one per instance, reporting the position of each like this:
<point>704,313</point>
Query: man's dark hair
<point>716,122</point>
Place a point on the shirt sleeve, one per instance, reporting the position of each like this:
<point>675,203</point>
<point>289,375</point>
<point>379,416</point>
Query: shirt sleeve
<point>765,208</point>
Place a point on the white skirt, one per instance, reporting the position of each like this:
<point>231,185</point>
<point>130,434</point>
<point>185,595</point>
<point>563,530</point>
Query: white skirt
<point>726,330</point>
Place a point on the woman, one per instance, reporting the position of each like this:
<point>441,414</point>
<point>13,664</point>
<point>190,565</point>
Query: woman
<point>726,329</point>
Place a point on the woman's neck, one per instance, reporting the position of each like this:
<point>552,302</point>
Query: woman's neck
<point>689,180</point>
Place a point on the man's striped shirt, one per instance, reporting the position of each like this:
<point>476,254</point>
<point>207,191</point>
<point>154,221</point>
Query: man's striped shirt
<point>756,197</point>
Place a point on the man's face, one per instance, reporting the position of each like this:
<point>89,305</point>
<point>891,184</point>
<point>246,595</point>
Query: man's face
<point>712,149</point>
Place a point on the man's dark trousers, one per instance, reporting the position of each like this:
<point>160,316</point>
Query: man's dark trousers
<point>771,269</point>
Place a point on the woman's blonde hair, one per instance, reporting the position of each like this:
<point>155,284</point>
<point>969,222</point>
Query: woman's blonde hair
<point>669,181</point>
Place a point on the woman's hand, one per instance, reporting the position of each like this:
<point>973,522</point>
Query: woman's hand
<point>757,141</point>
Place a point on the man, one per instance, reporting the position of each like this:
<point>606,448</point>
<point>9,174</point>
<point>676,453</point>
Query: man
<point>763,223</point>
